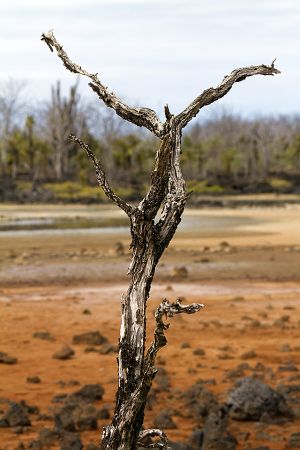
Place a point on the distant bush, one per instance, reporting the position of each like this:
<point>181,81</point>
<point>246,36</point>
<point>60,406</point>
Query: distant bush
<point>74,191</point>
<point>280,184</point>
<point>201,187</point>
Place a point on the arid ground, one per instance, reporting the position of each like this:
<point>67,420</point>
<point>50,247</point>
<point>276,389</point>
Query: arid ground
<point>244,265</point>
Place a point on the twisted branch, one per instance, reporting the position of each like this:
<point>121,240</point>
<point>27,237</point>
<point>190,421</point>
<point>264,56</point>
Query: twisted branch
<point>167,310</point>
<point>101,177</point>
<point>212,94</point>
<point>153,432</point>
<point>139,116</point>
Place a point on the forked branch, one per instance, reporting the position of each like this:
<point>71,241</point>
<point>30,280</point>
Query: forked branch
<point>143,117</point>
<point>212,94</point>
<point>101,178</point>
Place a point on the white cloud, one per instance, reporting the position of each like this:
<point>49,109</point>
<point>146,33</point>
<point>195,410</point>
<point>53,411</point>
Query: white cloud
<point>157,51</point>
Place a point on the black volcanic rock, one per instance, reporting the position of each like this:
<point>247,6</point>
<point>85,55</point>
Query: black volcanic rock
<point>15,416</point>
<point>6,359</point>
<point>251,399</point>
<point>89,338</point>
<point>65,352</point>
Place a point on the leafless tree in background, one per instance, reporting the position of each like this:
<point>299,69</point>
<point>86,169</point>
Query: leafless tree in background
<point>149,240</point>
<point>62,114</point>
<point>12,106</point>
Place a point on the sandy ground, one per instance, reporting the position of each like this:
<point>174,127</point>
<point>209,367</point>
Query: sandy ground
<point>247,276</point>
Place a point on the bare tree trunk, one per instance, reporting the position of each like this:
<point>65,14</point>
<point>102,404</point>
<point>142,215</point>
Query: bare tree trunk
<point>149,240</point>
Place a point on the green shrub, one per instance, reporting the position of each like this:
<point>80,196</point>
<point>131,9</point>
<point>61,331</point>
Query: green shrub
<point>280,184</point>
<point>71,190</point>
<point>201,187</point>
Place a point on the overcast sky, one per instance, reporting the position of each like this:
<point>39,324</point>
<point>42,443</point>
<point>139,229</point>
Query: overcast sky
<point>156,51</point>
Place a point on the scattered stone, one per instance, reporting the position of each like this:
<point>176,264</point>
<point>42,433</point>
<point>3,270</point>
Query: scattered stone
<point>215,436</point>
<point>29,409</point>
<point>18,430</point>
<point>164,420</point>
<point>89,393</point>
<point>6,359</point>
<point>91,350</point>
<point>256,323</point>
<point>282,321</point>
<point>71,441</point>
<point>249,355</point>
<point>264,436</point>
<point>89,338</point>
<point>45,335</point>
<point>238,372</point>
<point>48,437</point>
<point>15,416</point>
<point>86,420</point>
<point>224,244</point>
<point>64,419</point>
<point>251,399</point>
<point>246,317</point>
<point>45,418</point>
<point>294,440</point>
<point>238,299</point>
<point>199,352</point>
<point>68,383</point>
<point>196,439</point>
<point>287,389</point>
<point>87,312</point>
<point>185,345</point>
<point>209,381</point>
<point>59,398</point>
<point>33,380</point>
<point>224,356</point>
<point>180,272</point>
<point>107,348</point>
<point>259,367</point>
<point>289,367</point>
<point>35,445</point>
<point>199,400</point>
<point>225,348</point>
<point>65,352</point>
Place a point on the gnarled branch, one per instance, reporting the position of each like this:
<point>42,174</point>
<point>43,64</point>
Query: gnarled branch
<point>153,432</point>
<point>212,94</point>
<point>101,178</point>
<point>142,117</point>
<point>166,309</point>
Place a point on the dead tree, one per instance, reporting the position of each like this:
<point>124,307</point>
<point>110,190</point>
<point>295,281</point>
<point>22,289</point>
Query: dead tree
<point>149,240</point>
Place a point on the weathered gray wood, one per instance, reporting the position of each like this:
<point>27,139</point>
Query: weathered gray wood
<point>101,177</point>
<point>212,94</point>
<point>143,117</point>
<point>149,240</point>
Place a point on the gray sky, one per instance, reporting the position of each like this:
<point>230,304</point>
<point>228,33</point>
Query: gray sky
<point>156,51</point>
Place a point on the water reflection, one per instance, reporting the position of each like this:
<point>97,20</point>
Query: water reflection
<point>107,222</point>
